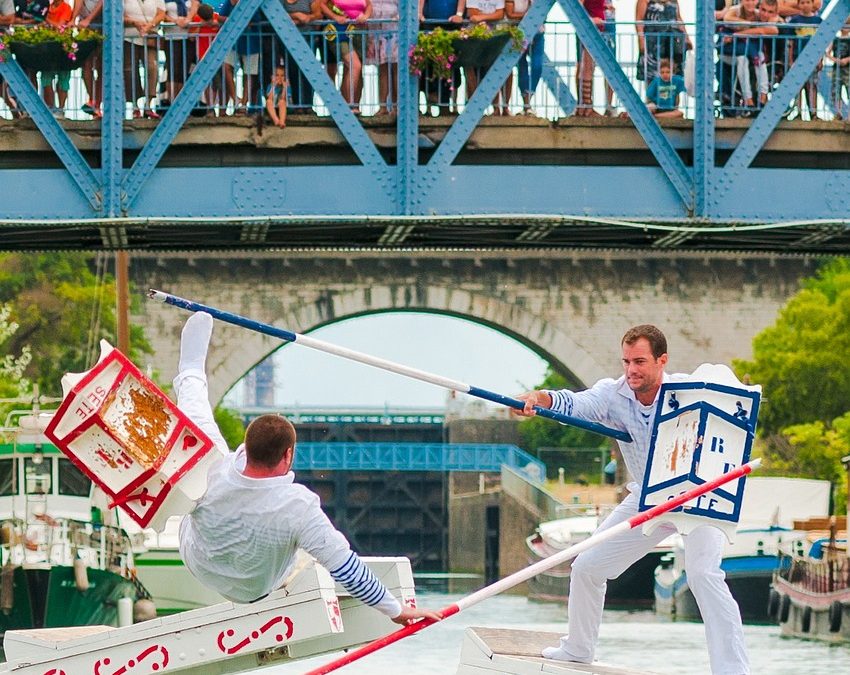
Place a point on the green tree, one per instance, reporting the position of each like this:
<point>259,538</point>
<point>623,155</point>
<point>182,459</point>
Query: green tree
<point>801,361</point>
<point>801,364</point>
<point>13,384</point>
<point>231,426</point>
<point>539,432</point>
<point>64,303</point>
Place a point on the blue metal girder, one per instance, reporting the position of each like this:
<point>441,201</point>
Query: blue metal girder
<point>177,113</point>
<point>464,125</point>
<point>643,120</point>
<point>407,120</point>
<point>558,86</point>
<point>348,124</point>
<point>53,133</point>
<point>111,126</point>
<point>763,125</point>
<point>704,135</point>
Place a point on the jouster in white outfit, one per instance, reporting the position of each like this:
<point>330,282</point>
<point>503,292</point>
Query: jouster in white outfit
<point>613,403</point>
<point>242,536</point>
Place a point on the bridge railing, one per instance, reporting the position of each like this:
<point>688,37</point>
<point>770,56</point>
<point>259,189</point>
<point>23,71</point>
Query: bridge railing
<point>480,457</point>
<point>748,69</point>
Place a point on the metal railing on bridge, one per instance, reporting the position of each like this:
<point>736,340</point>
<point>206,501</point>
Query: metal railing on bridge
<point>706,184</point>
<point>480,457</point>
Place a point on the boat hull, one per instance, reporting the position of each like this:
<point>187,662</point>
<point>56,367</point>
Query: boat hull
<point>748,579</point>
<point>49,598</point>
<point>810,615</point>
<point>633,588</point>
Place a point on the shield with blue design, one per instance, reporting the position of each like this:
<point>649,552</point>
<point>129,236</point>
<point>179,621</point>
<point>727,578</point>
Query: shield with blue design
<point>703,428</point>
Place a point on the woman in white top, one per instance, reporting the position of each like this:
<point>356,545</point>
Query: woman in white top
<point>84,14</point>
<point>141,18</point>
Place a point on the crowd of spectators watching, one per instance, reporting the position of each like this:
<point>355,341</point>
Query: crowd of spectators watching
<point>164,40</point>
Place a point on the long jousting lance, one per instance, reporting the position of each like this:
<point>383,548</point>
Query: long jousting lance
<point>383,364</point>
<point>538,567</point>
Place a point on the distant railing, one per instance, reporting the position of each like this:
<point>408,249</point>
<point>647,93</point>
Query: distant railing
<point>747,69</point>
<point>414,457</point>
<point>816,576</point>
<point>531,493</point>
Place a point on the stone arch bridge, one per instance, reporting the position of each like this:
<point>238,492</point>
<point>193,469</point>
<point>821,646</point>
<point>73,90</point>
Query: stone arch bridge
<point>571,308</point>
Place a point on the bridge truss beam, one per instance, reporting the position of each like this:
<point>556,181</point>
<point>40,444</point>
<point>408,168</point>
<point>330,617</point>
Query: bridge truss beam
<point>399,197</point>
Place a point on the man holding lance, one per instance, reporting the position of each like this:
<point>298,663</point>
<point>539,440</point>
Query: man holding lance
<point>629,404</point>
<point>242,536</point>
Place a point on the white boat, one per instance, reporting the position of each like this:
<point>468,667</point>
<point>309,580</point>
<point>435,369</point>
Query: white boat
<point>60,565</point>
<point>632,588</point>
<point>770,507</point>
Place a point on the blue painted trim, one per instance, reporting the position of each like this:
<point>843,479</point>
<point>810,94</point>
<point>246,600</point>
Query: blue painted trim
<point>660,146</point>
<point>53,133</point>
<point>111,126</point>
<point>407,103</point>
<point>551,414</point>
<point>763,564</point>
<point>704,131</point>
<point>348,125</point>
<point>458,134</point>
<point>311,456</point>
<point>763,126</point>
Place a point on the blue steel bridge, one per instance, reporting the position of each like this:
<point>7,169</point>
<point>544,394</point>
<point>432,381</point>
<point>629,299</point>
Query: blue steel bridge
<point>760,183</point>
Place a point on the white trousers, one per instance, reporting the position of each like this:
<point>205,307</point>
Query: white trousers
<point>703,552</point>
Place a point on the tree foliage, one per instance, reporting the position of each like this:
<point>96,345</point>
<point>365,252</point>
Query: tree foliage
<point>63,303</point>
<point>13,384</point>
<point>801,364</point>
<point>801,361</point>
<point>231,426</point>
<point>539,432</point>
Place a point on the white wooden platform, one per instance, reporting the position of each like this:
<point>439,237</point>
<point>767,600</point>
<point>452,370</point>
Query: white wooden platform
<point>487,651</point>
<point>309,616</point>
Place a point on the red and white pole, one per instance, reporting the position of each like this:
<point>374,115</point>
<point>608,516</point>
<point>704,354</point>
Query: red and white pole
<point>538,567</point>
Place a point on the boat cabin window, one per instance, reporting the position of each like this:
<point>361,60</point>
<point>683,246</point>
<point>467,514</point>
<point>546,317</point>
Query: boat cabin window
<point>7,477</point>
<point>72,481</point>
<point>37,472</point>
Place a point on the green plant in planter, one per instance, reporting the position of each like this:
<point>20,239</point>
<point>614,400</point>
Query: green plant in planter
<point>73,42</point>
<point>436,52</point>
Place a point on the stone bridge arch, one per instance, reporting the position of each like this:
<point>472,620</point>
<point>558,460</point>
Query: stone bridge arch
<point>571,308</point>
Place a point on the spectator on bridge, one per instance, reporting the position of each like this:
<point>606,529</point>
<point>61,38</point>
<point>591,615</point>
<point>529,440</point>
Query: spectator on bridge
<point>345,42</point>
<point>530,64</point>
<point>750,40</point>
<point>661,35</point>
<point>444,14</point>
<point>662,94</point>
<point>303,14</point>
<point>803,26</point>
<point>792,7</point>
<point>179,52</point>
<point>839,54</point>
<point>489,12</point>
<point>204,28</point>
<point>141,19</point>
<point>383,53</point>
<point>276,97</point>
<point>86,13</point>
<point>243,535</point>
<point>247,55</point>
<point>55,83</point>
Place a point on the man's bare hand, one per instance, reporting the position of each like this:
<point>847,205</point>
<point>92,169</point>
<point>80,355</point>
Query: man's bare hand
<point>533,398</point>
<point>411,614</point>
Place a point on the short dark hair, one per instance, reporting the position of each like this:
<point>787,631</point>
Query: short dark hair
<point>652,334</point>
<point>206,11</point>
<point>267,439</point>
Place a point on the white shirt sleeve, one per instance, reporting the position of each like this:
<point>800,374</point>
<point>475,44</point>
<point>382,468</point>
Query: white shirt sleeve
<point>591,404</point>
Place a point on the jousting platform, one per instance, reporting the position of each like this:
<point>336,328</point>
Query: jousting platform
<point>487,651</point>
<point>310,615</point>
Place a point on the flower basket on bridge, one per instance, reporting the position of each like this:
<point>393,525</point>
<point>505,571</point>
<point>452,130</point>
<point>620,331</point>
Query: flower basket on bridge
<point>479,52</point>
<point>46,48</point>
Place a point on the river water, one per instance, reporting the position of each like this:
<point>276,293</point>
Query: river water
<point>637,640</point>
